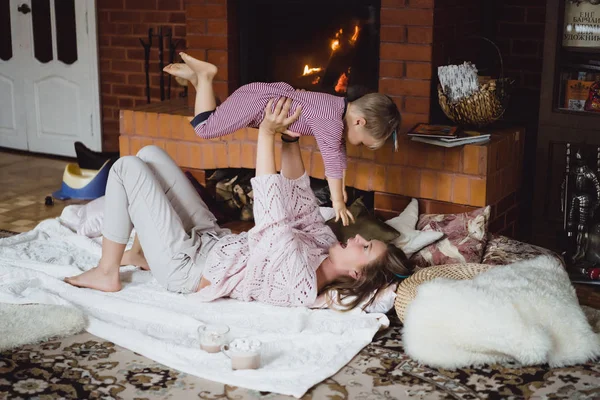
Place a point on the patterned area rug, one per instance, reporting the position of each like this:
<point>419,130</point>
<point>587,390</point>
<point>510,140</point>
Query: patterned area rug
<point>86,367</point>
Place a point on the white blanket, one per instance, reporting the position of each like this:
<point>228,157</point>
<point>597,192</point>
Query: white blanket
<point>526,312</point>
<point>301,347</point>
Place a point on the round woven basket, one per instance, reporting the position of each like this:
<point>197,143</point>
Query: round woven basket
<point>482,107</point>
<point>407,289</point>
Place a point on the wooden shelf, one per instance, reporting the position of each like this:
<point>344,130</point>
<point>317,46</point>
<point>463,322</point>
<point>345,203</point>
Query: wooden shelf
<point>581,66</point>
<point>578,113</point>
<point>557,124</point>
<point>588,295</point>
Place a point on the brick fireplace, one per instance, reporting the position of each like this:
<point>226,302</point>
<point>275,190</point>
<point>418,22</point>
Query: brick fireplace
<point>336,53</point>
<point>447,180</point>
<point>405,52</point>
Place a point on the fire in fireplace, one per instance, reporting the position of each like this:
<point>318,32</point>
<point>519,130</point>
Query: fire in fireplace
<point>330,46</point>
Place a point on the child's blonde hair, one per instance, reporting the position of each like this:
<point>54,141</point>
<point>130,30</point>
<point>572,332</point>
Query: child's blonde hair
<point>381,115</point>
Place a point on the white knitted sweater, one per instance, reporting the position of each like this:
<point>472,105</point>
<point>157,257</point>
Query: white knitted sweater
<point>276,261</point>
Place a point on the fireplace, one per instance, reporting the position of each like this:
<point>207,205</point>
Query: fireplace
<point>446,180</point>
<point>329,46</point>
<point>396,61</point>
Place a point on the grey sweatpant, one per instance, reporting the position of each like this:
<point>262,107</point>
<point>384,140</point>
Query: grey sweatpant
<point>174,226</point>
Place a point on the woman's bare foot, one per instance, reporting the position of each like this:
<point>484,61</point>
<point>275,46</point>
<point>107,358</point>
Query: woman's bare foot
<point>135,258</point>
<point>202,69</point>
<point>181,70</point>
<point>97,278</point>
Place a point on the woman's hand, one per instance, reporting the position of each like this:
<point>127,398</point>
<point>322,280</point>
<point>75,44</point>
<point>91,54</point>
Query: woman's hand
<point>277,121</point>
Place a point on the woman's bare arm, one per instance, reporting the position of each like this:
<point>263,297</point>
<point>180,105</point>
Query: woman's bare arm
<point>292,166</point>
<point>265,154</point>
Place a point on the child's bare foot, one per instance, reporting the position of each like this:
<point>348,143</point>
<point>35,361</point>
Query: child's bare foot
<point>135,258</point>
<point>98,279</point>
<point>201,68</point>
<point>181,70</point>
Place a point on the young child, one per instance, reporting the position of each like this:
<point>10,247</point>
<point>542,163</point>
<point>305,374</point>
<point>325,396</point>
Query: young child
<point>368,121</point>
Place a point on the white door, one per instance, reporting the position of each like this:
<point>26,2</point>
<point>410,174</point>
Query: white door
<point>55,67</point>
<point>13,122</point>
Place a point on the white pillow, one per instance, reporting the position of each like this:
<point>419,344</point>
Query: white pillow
<point>410,239</point>
<point>327,213</point>
<point>92,216</point>
<point>71,216</point>
<point>382,304</point>
<point>85,219</point>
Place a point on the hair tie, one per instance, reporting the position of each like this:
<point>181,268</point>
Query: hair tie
<point>395,139</point>
<point>402,276</point>
<point>289,139</point>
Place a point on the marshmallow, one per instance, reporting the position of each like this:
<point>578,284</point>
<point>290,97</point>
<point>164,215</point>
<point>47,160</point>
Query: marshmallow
<point>245,345</point>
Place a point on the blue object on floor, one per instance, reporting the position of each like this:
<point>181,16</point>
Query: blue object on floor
<point>83,184</point>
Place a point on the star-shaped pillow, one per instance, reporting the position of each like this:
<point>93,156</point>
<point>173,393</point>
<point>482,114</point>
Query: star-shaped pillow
<point>411,240</point>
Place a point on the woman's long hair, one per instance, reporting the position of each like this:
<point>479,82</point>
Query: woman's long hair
<point>375,277</point>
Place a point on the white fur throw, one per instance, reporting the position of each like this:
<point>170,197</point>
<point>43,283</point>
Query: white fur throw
<point>525,312</point>
<point>33,323</point>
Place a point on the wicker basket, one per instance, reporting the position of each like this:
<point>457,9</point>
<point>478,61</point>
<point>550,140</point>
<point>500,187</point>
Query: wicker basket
<point>407,290</point>
<point>482,107</point>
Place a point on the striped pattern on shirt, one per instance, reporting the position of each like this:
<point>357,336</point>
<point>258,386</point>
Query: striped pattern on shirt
<point>322,117</point>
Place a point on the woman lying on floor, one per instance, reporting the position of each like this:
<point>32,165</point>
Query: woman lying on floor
<point>287,259</point>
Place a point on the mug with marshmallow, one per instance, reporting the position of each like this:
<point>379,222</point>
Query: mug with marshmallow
<point>244,353</point>
<point>212,337</point>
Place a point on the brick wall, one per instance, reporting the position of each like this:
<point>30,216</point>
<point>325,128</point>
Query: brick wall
<point>519,32</point>
<point>212,36</point>
<point>520,36</point>
<point>121,23</point>
<point>405,57</point>
<point>455,21</point>
<point>469,175</point>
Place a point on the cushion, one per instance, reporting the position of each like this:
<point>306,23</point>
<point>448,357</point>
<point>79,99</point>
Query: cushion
<point>464,242</point>
<point>382,303</point>
<point>411,240</point>
<point>501,250</point>
<point>366,225</point>
<point>92,217</point>
<point>327,213</point>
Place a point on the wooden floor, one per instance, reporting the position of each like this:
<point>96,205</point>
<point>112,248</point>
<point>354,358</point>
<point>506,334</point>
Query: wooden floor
<point>25,181</point>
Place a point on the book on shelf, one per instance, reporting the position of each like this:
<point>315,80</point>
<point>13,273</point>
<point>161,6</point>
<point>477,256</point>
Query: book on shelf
<point>453,143</point>
<point>434,131</point>
<point>466,136</point>
<point>576,94</point>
